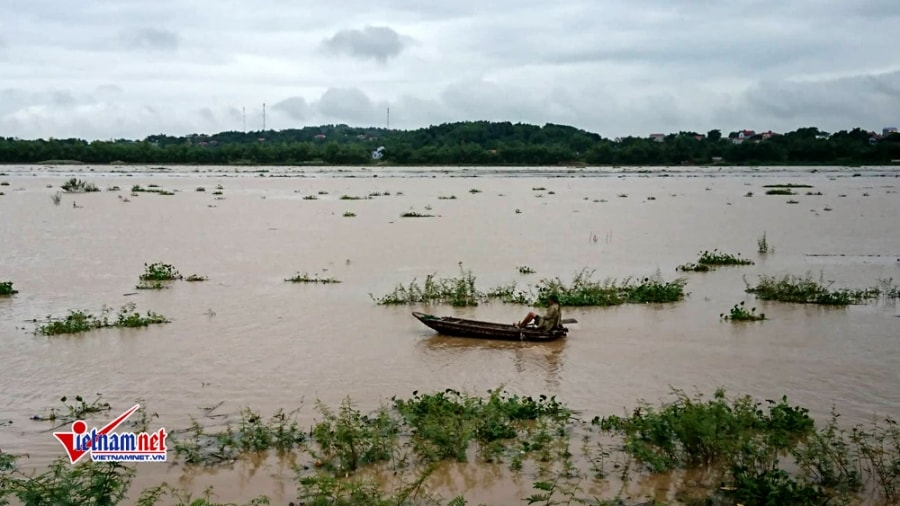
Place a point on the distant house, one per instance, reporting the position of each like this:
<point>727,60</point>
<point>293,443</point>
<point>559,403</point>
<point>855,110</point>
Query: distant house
<point>658,137</point>
<point>746,134</point>
<point>767,135</point>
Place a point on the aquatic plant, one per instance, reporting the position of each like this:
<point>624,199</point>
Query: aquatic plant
<point>715,257</point>
<point>193,278</point>
<point>584,291</point>
<point>539,188</point>
<point>352,197</point>
<point>200,189</point>
<point>348,439</point>
<point>788,185</point>
<point>524,269</point>
<point>81,321</point>
<point>474,190</point>
<point>762,245</point>
<point>152,285</point>
<point>159,271</point>
<point>442,197</point>
<point>75,185</point>
<point>349,214</point>
<point>310,197</point>
<point>806,290</point>
<point>74,410</point>
<point>6,288</point>
<point>306,278</point>
<point>414,214</point>
<point>739,313</point>
<point>780,191</point>
<point>459,291</point>
<point>694,267</point>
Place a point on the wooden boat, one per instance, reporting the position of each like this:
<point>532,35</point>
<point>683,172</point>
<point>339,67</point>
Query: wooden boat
<point>460,327</point>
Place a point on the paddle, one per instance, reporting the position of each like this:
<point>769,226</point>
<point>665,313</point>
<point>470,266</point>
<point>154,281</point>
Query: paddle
<point>568,320</point>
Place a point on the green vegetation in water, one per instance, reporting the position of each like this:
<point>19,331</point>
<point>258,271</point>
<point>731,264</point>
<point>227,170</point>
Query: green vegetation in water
<point>742,451</point>
<point>252,434</point>
<point>711,259</point>
<point>200,189</point>
<point>788,185</point>
<point>77,410</point>
<point>4,183</point>
<point>459,291</point>
<point>524,269</point>
<point>443,197</point>
<point>814,194</point>
<point>152,188</point>
<point>349,214</point>
<point>539,188</point>
<point>6,288</point>
<point>310,197</point>
<point>322,192</point>
<point>217,192</point>
<point>780,191</point>
<point>762,245</point>
<point>584,291</point>
<point>792,201</point>
<point>739,313</point>
<point>75,185</point>
<point>352,197</point>
<point>306,278</point>
<point>806,290</point>
<point>80,321</point>
<point>414,214</point>
<point>193,278</point>
<point>474,190</point>
<point>159,271</point>
<point>152,285</point>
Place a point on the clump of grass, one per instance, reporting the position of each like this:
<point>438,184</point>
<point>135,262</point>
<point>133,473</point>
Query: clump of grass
<point>6,288</point>
<point>692,431</point>
<point>74,410</point>
<point>623,195</point>
<point>346,440</point>
<point>152,285</point>
<point>352,197</point>
<point>159,271</point>
<point>780,191</point>
<point>414,214</point>
<point>518,211</point>
<point>306,278</point>
<point>81,321</point>
<point>584,291</point>
<point>762,245</point>
<point>806,290</point>
<point>524,269</point>
<point>349,214</point>
<point>814,194</point>
<point>193,278</point>
<point>4,183</point>
<point>459,291</point>
<point>748,194</point>
<point>252,434</point>
<point>444,423</point>
<point>739,313</point>
<point>75,185</point>
<point>539,188</point>
<point>311,197</point>
<point>322,192</point>
<point>443,197</point>
<point>217,192</point>
<point>200,189</point>
<point>792,201</point>
<point>788,185</point>
<point>474,190</point>
<point>712,259</point>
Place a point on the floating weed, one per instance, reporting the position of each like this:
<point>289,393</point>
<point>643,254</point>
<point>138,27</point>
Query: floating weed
<point>524,269</point>
<point>6,288</point>
<point>180,497</point>
<point>75,410</point>
<point>217,192</point>
<point>349,214</point>
<point>787,185</point>
<point>347,440</point>
<point>622,195</point>
<point>74,185</point>
<point>413,214</point>
<point>518,211</point>
<point>780,191</point>
<point>474,190</point>
<point>712,259</point>
<point>539,189</point>
<point>739,313</point>
<point>762,245</point>
<point>806,290</point>
<point>748,194</point>
<point>583,291</point>
<point>306,278</point>
<point>193,278</point>
<point>199,189</point>
<point>159,271</point>
<point>4,183</point>
<point>352,197</point>
<point>310,197</point>
<point>443,197</point>
<point>814,194</point>
<point>152,285</point>
<point>792,201</point>
<point>322,192</point>
<point>80,321</point>
<point>459,291</point>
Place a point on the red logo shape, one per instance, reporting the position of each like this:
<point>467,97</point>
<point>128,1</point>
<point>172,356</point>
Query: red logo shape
<point>79,427</point>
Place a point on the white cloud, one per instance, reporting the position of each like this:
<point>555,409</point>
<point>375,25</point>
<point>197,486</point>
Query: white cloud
<point>133,68</point>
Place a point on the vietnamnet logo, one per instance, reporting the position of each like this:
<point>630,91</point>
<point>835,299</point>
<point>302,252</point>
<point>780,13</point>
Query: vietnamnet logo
<point>104,445</point>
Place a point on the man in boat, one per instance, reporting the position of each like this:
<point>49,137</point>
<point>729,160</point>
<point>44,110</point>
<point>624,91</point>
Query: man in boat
<point>549,320</point>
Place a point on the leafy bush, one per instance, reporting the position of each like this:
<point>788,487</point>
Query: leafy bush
<point>806,290</point>
<point>6,288</point>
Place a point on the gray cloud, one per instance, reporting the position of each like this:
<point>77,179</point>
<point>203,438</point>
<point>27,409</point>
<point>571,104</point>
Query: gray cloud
<point>151,38</point>
<point>378,42</point>
<point>604,66</point>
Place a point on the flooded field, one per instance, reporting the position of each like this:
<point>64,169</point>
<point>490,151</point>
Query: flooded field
<point>245,337</point>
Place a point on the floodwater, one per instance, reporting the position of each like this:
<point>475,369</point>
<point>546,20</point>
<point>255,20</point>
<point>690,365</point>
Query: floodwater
<point>248,338</point>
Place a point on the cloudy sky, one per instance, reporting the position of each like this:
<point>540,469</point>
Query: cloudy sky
<point>131,68</point>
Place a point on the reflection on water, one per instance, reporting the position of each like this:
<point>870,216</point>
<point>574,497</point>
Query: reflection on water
<point>247,338</point>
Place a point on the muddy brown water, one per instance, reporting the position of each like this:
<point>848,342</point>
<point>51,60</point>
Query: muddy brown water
<point>248,338</point>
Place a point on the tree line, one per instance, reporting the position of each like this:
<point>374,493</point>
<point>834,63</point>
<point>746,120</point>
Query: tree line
<point>466,143</point>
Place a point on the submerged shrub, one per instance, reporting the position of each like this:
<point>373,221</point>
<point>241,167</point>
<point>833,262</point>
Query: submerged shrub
<point>6,288</point>
<point>806,290</point>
